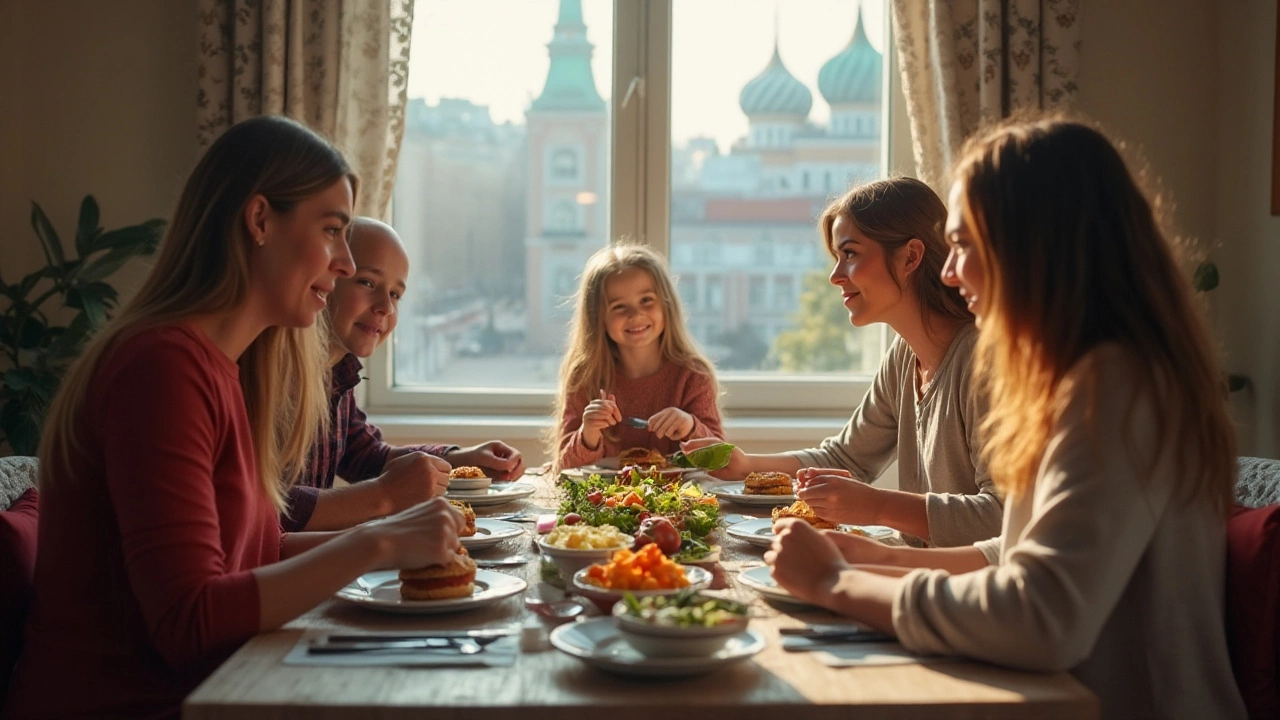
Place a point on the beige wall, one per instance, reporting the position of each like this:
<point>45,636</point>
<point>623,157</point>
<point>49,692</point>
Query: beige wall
<point>98,97</point>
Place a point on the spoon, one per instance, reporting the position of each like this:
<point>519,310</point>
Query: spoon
<point>560,610</point>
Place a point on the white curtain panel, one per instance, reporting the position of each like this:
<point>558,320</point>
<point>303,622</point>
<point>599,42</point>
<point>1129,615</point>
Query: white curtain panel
<point>340,66</point>
<point>967,63</point>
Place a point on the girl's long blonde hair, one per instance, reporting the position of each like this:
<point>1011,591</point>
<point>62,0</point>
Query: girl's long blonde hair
<point>202,267</point>
<point>591,358</point>
<point>1074,257</point>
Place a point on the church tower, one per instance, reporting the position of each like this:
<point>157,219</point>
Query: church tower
<point>566,211</point>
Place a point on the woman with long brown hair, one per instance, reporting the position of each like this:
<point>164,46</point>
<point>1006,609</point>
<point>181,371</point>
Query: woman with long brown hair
<point>169,447</point>
<point>1108,431</point>
<point>885,241</point>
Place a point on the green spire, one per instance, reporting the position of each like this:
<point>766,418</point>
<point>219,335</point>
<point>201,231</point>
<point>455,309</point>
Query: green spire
<point>570,86</point>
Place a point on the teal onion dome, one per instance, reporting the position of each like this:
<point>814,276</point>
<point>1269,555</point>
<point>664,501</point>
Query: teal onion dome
<point>775,91</point>
<point>570,84</point>
<point>854,75</point>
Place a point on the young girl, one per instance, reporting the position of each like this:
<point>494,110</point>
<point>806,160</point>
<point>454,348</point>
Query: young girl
<point>363,310</point>
<point>630,356</point>
<point>168,449</point>
<point>922,410</point>
<point>1109,433</point>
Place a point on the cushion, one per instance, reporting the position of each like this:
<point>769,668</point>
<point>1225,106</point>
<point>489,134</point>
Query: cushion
<point>1253,607</point>
<point>17,475</point>
<point>1258,481</point>
<point>17,571</point>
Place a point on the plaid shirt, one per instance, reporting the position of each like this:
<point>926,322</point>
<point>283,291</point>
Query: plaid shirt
<point>353,449</point>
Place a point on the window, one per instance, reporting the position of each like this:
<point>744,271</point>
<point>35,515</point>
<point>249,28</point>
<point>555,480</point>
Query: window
<point>564,165</point>
<point>530,143</point>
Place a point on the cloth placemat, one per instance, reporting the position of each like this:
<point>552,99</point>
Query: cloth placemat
<point>855,654</point>
<point>500,653</point>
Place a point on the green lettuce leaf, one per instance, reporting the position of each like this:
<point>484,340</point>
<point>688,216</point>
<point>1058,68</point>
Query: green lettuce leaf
<point>711,457</point>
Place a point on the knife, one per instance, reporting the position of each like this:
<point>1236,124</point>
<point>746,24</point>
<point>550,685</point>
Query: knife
<point>461,645</point>
<point>442,635</point>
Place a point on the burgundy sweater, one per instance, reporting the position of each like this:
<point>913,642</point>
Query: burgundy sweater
<point>142,579</point>
<point>672,386</point>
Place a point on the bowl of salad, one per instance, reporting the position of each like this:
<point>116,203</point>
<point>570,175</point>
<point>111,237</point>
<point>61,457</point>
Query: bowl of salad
<point>687,624</point>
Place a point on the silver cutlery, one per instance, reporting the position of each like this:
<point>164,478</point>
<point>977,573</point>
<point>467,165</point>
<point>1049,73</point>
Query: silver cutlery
<point>520,517</point>
<point>461,645</point>
<point>830,635</point>
<point>636,422</point>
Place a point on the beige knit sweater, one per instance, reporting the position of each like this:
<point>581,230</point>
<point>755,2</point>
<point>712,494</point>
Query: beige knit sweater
<point>934,439</point>
<point>1101,573</point>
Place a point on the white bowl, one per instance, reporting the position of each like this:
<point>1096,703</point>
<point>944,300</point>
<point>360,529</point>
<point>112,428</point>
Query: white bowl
<point>699,578</point>
<point>653,640</point>
<point>571,560</point>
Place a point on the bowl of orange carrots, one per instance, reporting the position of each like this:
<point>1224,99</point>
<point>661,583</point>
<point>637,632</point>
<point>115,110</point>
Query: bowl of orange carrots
<point>646,571</point>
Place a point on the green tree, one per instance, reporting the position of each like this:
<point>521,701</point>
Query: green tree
<point>819,342</point>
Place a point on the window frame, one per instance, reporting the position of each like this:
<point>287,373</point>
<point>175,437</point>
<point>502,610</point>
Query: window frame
<point>640,177</point>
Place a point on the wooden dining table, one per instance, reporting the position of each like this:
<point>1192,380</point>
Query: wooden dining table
<point>255,684</point>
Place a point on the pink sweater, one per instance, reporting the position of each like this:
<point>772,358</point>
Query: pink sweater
<point>671,386</point>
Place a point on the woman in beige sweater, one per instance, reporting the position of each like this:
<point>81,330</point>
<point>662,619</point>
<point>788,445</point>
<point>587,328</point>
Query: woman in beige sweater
<point>885,240</point>
<point>1108,432</point>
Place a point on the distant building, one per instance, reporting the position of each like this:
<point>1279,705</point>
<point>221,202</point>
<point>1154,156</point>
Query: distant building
<point>567,216</point>
<point>742,222</point>
<point>460,191</point>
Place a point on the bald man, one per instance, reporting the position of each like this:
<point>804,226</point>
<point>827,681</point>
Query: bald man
<point>363,310</point>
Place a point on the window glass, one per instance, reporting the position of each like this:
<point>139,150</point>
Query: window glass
<point>502,189</point>
<point>772,116</point>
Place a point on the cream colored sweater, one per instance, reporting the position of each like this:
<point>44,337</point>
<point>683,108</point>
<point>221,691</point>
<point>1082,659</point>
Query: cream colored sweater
<point>934,439</point>
<point>1101,572</point>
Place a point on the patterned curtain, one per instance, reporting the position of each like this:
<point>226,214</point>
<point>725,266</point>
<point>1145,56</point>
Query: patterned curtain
<point>340,66</point>
<point>966,63</point>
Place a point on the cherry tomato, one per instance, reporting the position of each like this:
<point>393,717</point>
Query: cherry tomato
<point>572,519</point>
<point>595,497</point>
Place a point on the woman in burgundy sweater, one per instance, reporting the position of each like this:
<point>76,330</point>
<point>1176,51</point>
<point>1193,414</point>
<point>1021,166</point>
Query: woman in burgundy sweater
<point>168,450</point>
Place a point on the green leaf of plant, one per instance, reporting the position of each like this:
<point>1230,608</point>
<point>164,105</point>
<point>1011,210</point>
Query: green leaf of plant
<point>141,239</point>
<point>29,282</point>
<point>31,333</point>
<point>95,309</point>
<point>49,241</point>
<point>87,229</point>
<point>67,345</point>
<point>106,265</point>
<point>17,379</point>
<point>1205,277</point>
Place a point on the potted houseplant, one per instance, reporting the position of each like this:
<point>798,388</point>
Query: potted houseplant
<point>35,349</point>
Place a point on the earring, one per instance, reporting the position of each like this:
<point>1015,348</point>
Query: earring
<point>261,242</point>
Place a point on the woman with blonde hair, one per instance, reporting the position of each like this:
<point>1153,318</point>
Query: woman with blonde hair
<point>630,355</point>
<point>1108,431</point>
<point>169,446</point>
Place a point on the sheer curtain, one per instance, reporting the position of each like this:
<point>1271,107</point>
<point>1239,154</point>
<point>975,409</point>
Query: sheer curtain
<point>341,66</point>
<point>966,63</point>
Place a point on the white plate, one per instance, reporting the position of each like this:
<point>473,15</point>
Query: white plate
<point>464,484</point>
<point>759,531</point>
<point>490,533</point>
<point>734,492</point>
<point>598,643</point>
<point>381,591</point>
<point>760,580</point>
<point>495,494</point>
